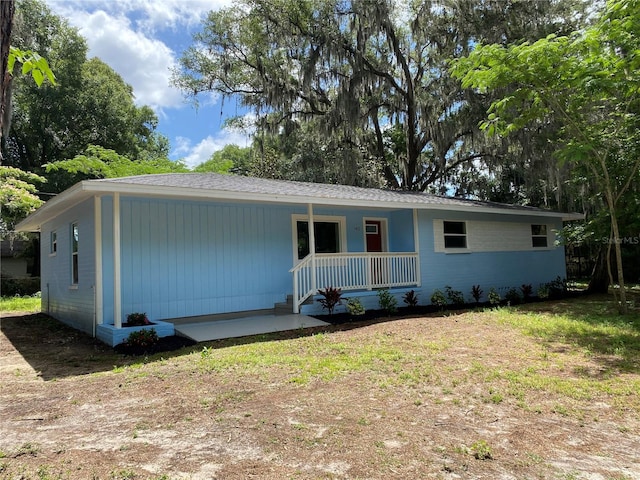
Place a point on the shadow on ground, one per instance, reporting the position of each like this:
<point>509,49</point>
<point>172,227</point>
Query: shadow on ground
<point>613,340</point>
<point>55,350</point>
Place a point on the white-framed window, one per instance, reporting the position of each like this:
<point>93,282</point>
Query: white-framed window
<point>539,236</point>
<point>455,234</point>
<point>53,243</point>
<point>74,254</point>
<point>330,235</point>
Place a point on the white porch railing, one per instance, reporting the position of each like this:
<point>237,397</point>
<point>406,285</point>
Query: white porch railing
<point>353,271</point>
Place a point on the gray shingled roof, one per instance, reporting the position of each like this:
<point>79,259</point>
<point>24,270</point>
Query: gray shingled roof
<point>286,188</point>
<point>215,186</point>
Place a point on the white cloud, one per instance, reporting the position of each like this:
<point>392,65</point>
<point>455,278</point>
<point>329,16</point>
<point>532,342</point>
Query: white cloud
<point>125,35</point>
<point>193,155</point>
<point>150,14</point>
<point>143,62</point>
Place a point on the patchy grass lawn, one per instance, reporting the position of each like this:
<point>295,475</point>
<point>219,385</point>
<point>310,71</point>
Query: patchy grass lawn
<point>545,391</point>
<point>28,304</point>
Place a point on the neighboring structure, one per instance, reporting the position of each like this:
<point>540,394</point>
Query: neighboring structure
<point>13,263</point>
<point>180,245</point>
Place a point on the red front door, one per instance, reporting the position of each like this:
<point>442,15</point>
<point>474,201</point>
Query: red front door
<point>373,233</point>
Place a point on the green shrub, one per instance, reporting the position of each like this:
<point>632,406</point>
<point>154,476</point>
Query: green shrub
<point>494,297</point>
<point>387,302</point>
<point>455,296</point>
<point>137,319</point>
<point>557,288</point>
<point>14,287</point>
<point>543,291</point>
<point>438,299</point>
<point>512,296</point>
<point>354,306</point>
<point>142,338</point>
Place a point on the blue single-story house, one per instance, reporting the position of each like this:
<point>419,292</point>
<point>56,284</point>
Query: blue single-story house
<point>183,245</point>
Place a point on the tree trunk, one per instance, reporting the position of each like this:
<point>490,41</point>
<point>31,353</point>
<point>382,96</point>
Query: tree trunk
<point>611,203</point>
<point>599,282</point>
<point>7,9</point>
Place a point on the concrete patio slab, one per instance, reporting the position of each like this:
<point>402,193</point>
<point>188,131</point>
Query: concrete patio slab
<point>241,327</point>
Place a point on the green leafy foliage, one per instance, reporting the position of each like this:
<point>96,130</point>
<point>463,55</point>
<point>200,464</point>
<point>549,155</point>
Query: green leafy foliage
<point>331,297</point>
<point>557,288</point>
<point>587,82</point>
<point>137,319</point>
<point>142,338</point>
<point>527,291</point>
<point>455,297</point>
<point>354,306</point>
<point>99,162</point>
<point>543,291</point>
<point>90,104</point>
<point>31,63</point>
<point>494,297</point>
<point>476,293</point>
<point>513,296</point>
<point>387,301</point>
<point>17,196</point>
<point>481,450</point>
<point>438,298</point>
<point>372,79</point>
<point>230,159</point>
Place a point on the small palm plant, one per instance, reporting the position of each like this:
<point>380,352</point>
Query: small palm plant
<point>330,298</point>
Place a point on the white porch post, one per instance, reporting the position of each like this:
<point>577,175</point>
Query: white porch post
<point>416,245</point>
<point>117,294</point>
<point>312,246</point>
<point>97,209</point>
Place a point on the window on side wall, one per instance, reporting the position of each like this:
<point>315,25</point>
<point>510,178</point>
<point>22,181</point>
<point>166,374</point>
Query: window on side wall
<point>74,254</point>
<point>539,236</point>
<point>455,234</point>
<point>53,243</point>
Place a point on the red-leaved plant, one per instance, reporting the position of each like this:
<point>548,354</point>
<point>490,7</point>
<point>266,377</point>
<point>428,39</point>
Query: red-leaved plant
<point>331,298</point>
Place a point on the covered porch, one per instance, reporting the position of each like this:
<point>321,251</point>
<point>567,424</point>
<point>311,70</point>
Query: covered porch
<point>374,268</point>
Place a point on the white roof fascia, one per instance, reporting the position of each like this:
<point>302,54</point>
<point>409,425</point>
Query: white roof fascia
<point>88,188</point>
<point>52,208</point>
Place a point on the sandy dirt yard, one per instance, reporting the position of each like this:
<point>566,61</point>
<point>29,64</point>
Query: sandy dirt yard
<point>458,396</point>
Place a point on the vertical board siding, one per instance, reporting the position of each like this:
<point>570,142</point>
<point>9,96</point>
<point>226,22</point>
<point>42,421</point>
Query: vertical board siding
<point>183,258</point>
<point>189,258</point>
<point>73,305</point>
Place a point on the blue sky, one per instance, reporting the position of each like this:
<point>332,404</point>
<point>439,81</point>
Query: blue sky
<point>142,40</point>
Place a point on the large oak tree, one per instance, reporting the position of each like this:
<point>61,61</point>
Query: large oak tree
<point>371,73</point>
